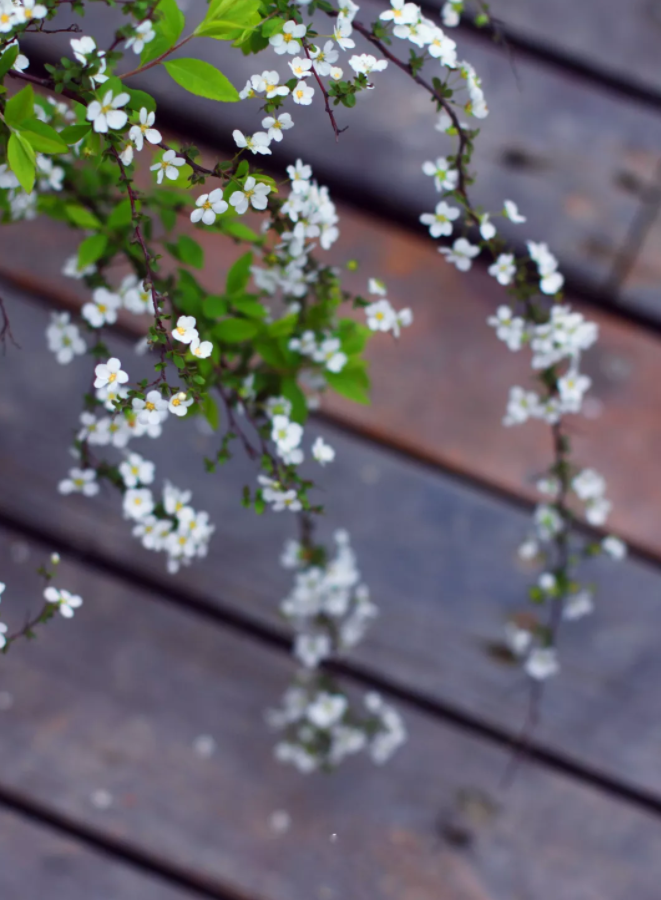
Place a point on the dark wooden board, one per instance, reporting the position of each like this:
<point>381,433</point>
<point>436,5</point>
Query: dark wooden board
<point>561,149</point>
<point>438,555</point>
<point>116,697</point>
<point>38,862</point>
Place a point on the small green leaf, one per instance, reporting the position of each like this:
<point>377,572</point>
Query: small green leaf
<point>91,249</point>
<point>352,382</point>
<point>299,406</point>
<point>237,229</point>
<point>210,410</point>
<point>8,59</point>
<point>179,362</point>
<point>233,331</point>
<point>202,79</point>
<point>74,133</point>
<point>248,307</point>
<point>283,327</point>
<point>239,274</point>
<point>22,161</point>
<point>20,107</point>
<point>82,217</point>
<point>187,251</point>
<point>120,215</point>
<point>168,29</point>
<point>140,98</point>
<point>42,137</point>
<point>214,306</point>
<point>273,26</point>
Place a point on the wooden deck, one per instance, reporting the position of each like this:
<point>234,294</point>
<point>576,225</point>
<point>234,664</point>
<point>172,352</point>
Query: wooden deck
<point>104,792</point>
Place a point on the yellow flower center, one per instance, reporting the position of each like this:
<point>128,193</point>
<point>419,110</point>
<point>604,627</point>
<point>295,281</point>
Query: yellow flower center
<point>299,94</point>
<point>176,401</point>
<point>102,308</point>
<point>112,377</point>
<point>149,405</point>
<point>180,330</point>
<point>248,194</point>
<point>287,37</point>
<point>106,109</point>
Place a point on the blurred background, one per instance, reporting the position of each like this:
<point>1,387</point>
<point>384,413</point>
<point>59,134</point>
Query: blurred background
<point>134,762</point>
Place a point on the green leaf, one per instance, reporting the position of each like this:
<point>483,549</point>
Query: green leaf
<point>22,161</point>
<point>227,19</point>
<point>8,59</point>
<point>140,98</point>
<point>82,217</point>
<point>91,249</point>
<point>42,137</point>
<point>20,107</point>
<point>283,327</point>
<point>187,251</point>
<point>74,133</point>
<point>353,336</point>
<point>120,215</point>
<point>202,79</point>
<point>210,410</point>
<point>249,307</point>
<point>214,306</point>
<point>237,229</point>
<point>352,382</point>
<point>299,406</point>
<point>273,26</point>
<point>239,274</point>
<point>274,353</point>
<point>168,30</point>
<point>233,331</point>
<point>179,361</point>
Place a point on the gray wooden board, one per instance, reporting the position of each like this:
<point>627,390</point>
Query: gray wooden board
<point>37,862</point>
<point>622,40</point>
<point>115,698</point>
<point>439,557</point>
<point>579,145</point>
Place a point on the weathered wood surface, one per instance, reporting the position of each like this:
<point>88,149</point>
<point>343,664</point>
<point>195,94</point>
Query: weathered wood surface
<point>36,862</point>
<point>439,557</point>
<point>620,40</point>
<point>115,699</point>
<point>564,151</point>
<point>440,392</point>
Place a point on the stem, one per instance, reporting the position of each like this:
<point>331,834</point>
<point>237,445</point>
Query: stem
<point>159,59</point>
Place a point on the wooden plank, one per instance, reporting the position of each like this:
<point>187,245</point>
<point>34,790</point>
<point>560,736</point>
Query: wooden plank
<point>438,555</point>
<point>448,346</point>
<point>38,862</point>
<point>117,696</point>
<point>558,147</point>
<point>623,42</point>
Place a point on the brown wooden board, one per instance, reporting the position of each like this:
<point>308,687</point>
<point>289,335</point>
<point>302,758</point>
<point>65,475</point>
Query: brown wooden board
<point>567,153</point>
<point>115,699</point>
<point>440,392</point>
<point>38,862</point>
<point>438,555</point>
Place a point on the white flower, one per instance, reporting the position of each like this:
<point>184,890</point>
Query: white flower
<point>80,481</point>
<point>64,338</point>
<point>445,178</point>
<point>185,330</point>
<point>528,549</point>
<point>376,286</point>
<point>135,470</point>
<point>440,221</point>
<point>107,114</point>
<point>451,12</point>
<point>254,194</point>
<point>323,59</point>
<point>179,403</point>
<point>84,47</point>
<point>327,709</point>
<point>342,33</point>
<point>517,639</point>
<point>551,283</point>
<point>521,406</point>
<point>70,267</point>
<point>208,207</point>
<point>336,73</point>
<point>144,34</point>
<point>487,228</point>
<point>126,154</point>
<point>303,93</point>
<point>598,510</point>
<point>286,434</point>
<point>299,175</point>
<point>248,92</point>
<point>27,11</point>
<point>347,9</point>
<point>547,582</point>
<point>201,349</point>
<point>509,328</point>
<point>67,602</point>
<point>138,299</point>
<point>301,66</point>
<point>504,269</point>
<point>269,83</point>
<point>577,605</point>
<point>365,64</point>
<point>110,373</point>
<point>287,500</point>
<point>138,133</point>
<point>310,649</point>
<point>168,166</point>
<point>401,13</point>
<point>275,125</point>
<point>380,315</point>
<point>512,213</point>
<point>288,40</point>
<point>3,632</point>
<point>572,386</point>
<point>614,547</point>
<point>443,48</point>
<point>257,143</point>
<point>548,522</point>
<point>138,503</point>
<point>150,410</point>
<point>7,18</point>
<point>461,254</point>
<point>103,309</point>
<point>322,452</point>
<point>329,353</point>
<point>542,663</point>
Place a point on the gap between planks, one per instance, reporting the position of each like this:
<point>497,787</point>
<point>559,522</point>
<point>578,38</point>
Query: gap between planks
<point>224,617</point>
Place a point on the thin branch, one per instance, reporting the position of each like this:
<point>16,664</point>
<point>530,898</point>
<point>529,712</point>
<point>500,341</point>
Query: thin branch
<point>322,87</point>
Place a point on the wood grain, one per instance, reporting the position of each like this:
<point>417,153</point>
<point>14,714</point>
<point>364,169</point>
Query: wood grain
<point>567,153</point>
<point>438,555</point>
<point>116,697</point>
<point>37,862</point>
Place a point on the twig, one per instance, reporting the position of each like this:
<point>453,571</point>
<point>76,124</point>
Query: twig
<point>331,115</point>
<point>5,328</point>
